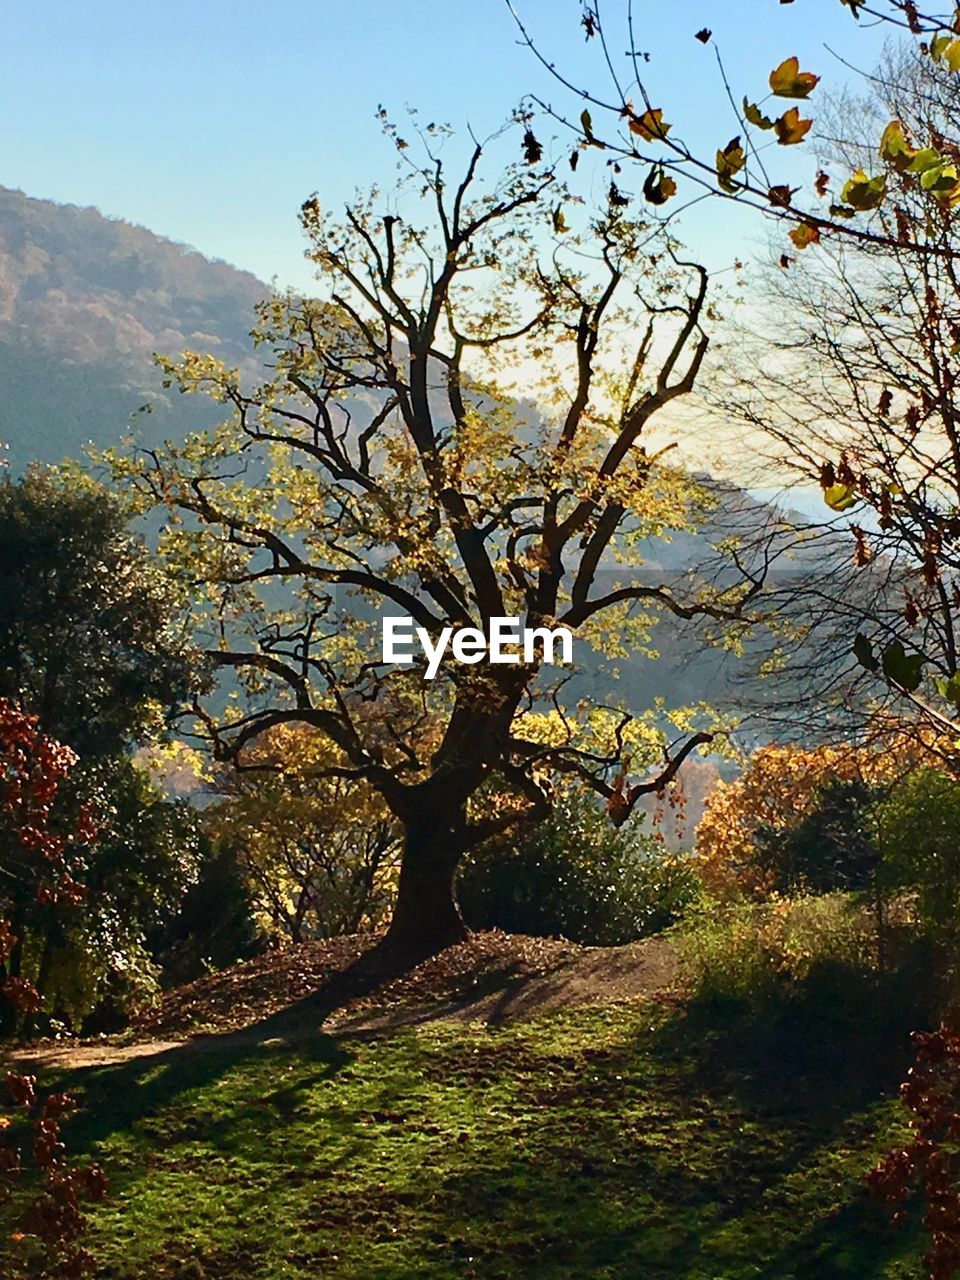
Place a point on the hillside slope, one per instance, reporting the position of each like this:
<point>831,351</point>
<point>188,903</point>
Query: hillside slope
<point>630,1138</point>
<point>85,301</point>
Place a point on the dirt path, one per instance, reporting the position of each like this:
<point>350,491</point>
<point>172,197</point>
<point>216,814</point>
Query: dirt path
<point>493,977</point>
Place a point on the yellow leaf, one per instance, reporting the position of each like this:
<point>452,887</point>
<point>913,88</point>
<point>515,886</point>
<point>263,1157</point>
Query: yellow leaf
<point>894,147</point>
<point>788,81</point>
<point>729,162</point>
<point>790,128</point>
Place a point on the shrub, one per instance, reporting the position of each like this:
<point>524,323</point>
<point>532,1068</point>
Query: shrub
<point>578,877</point>
<point>757,951</point>
<point>917,830</point>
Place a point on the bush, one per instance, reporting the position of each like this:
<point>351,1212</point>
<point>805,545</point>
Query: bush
<point>917,830</point>
<point>578,877</point>
<point>758,951</point>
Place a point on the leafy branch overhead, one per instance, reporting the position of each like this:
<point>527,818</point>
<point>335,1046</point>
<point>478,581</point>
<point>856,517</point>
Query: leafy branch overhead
<point>743,167</point>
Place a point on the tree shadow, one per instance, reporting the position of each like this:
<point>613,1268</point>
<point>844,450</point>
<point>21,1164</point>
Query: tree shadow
<point>114,1095</point>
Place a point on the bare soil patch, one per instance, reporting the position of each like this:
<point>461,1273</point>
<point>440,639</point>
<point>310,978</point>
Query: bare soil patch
<point>334,986</point>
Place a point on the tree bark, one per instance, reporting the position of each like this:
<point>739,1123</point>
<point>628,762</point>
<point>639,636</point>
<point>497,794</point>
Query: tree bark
<point>426,918</point>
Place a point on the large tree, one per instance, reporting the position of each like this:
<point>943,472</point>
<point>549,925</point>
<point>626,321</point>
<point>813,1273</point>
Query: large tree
<point>387,465</point>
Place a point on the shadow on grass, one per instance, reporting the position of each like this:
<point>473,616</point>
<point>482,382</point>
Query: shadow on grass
<point>116,1095</point>
<point>700,1143</point>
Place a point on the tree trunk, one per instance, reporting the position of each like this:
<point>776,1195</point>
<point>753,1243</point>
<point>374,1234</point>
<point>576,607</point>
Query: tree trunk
<point>426,918</point>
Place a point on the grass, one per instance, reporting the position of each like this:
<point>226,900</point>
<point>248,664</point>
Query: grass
<point>631,1141</point>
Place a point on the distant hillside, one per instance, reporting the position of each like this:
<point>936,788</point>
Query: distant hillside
<point>84,302</point>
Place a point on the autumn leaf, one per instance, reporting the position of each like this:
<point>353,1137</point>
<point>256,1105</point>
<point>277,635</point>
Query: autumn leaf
<point>753,115</point>
<point>532,150</point>
<point>942,180</point>
<point>659,186</point>
<point>729,162</point>
<point>863,652</point>
<point>805,234</point>
<point>821,183</point>
<point>788,81</point>
<point>587,121</point>
<point>616,197</point>
<point>862,192</point>
<point>790,128</point>
<point>785,261</point>
<point>559,221</point>
<point>945,48</point>
<point>781,195</point>
<point>650,125</point>
<point>895,149</point>
<point>703,35</point>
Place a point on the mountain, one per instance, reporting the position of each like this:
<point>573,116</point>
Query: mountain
<point>85,301</point>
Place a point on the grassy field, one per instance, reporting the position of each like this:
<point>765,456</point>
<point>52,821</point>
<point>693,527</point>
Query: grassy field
<point>640,1140</point>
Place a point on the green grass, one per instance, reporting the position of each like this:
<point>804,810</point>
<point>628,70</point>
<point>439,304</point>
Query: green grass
<point>624,1142</point>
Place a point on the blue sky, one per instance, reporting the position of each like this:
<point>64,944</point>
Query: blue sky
<point>209,122</point>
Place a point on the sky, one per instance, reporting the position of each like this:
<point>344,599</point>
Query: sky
<point>210,122</point>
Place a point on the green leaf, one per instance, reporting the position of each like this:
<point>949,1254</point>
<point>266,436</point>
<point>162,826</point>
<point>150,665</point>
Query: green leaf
<point>895,149</point>
<point>924,159</point>
<point>939,44</point>
<point>840,497</point>
<point>950,689</point>
<point>753,115</point>
<point>863,652</point>
<point>941,180</point>
<point>862,192</point>
<point>900,668</point>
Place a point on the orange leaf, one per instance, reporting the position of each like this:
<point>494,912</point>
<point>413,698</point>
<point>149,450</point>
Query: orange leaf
<point>650,125</point>
<point>805,234</point>
<point>790,128</point>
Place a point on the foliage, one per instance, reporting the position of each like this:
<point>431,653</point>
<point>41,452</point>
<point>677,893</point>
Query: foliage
<point>385,465</point>
<point>575,876</point>
<point>917,825</point>
<point>44,863</point>
<point>757,951</point>
<point>830,846</point>
<point>770,826</point>
<point>96,957</point>
<point>876,432</point>
<point>214,925</point>
<point>89,640</point>
<point>745,168</point>
<point>46,1242</point>
<point>319,851</point>
<point>930,1160</point>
